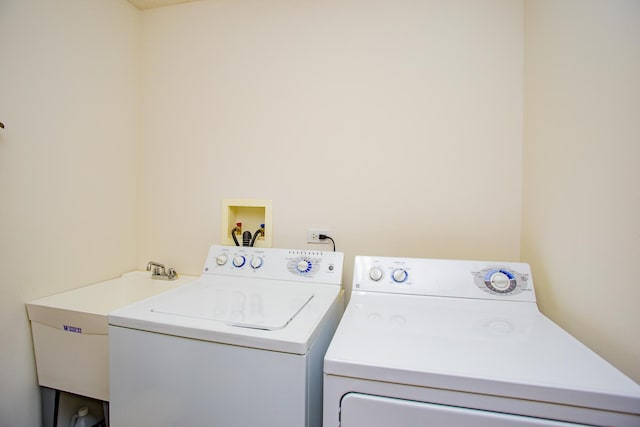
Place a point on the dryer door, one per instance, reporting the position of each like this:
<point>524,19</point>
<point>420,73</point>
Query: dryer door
<point>363,410</point>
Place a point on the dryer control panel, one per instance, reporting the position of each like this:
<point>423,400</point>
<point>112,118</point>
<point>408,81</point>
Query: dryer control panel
<point>275,264</point>
<point>443,277</point>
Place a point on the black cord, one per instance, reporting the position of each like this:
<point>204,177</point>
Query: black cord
<point>233,234</point>
<point>258,233</point>
<point>324,237</point>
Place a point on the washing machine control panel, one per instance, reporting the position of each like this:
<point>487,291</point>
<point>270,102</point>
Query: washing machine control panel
<point>275,263</point>
<point>447,278</point>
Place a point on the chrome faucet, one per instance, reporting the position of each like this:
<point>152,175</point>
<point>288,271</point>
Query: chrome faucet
<point>159,272</point>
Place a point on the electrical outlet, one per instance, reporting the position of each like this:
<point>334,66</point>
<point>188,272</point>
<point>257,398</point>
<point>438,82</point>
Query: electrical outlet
<point>313,235</point>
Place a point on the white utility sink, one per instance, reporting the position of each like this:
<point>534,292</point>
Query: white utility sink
<point>70,331</point>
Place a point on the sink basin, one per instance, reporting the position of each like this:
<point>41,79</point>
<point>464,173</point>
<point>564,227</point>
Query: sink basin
<point>70,331</point>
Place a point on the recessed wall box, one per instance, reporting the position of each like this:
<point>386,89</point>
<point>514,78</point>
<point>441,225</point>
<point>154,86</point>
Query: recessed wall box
<point>251,213</point>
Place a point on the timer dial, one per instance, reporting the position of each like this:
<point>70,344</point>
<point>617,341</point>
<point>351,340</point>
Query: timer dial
<point>501,281</point>
<point>221,259</point>
<point>304,266</point>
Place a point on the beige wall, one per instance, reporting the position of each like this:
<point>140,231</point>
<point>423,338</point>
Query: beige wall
<point>581,211</point>
<point>68,166</point>
<point>397,125</point>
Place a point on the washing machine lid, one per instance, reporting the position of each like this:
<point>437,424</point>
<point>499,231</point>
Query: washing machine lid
<point>250,305</point>
<point>264,314</point>
<point>478,346</point>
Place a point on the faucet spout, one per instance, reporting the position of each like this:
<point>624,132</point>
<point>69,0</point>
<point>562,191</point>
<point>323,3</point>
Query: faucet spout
<point>154,265</point>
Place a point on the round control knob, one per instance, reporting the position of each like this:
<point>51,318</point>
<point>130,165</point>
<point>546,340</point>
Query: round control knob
<point>399,275</point>
<point>256,262</point>
<point>304,266</point>
<point>239,260</point>
<point>501,281</point>
<point>221,259</point>
<point>375,274</point>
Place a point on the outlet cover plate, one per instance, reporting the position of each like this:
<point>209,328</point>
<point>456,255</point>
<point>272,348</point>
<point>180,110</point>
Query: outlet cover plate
<point>313,235</point>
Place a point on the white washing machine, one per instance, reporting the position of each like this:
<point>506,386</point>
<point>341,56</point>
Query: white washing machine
<point>462,343</point>
<point>241,346</point>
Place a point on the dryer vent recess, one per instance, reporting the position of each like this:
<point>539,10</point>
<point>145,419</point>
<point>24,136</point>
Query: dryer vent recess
<point>250,214</point>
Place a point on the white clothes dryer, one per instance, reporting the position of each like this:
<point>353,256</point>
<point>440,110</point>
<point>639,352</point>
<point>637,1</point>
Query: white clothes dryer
<point>241,346</point>
<point>462,343</point>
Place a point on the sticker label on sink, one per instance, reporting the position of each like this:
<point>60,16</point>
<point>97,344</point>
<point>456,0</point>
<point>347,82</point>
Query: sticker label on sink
<point>75,329</point>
